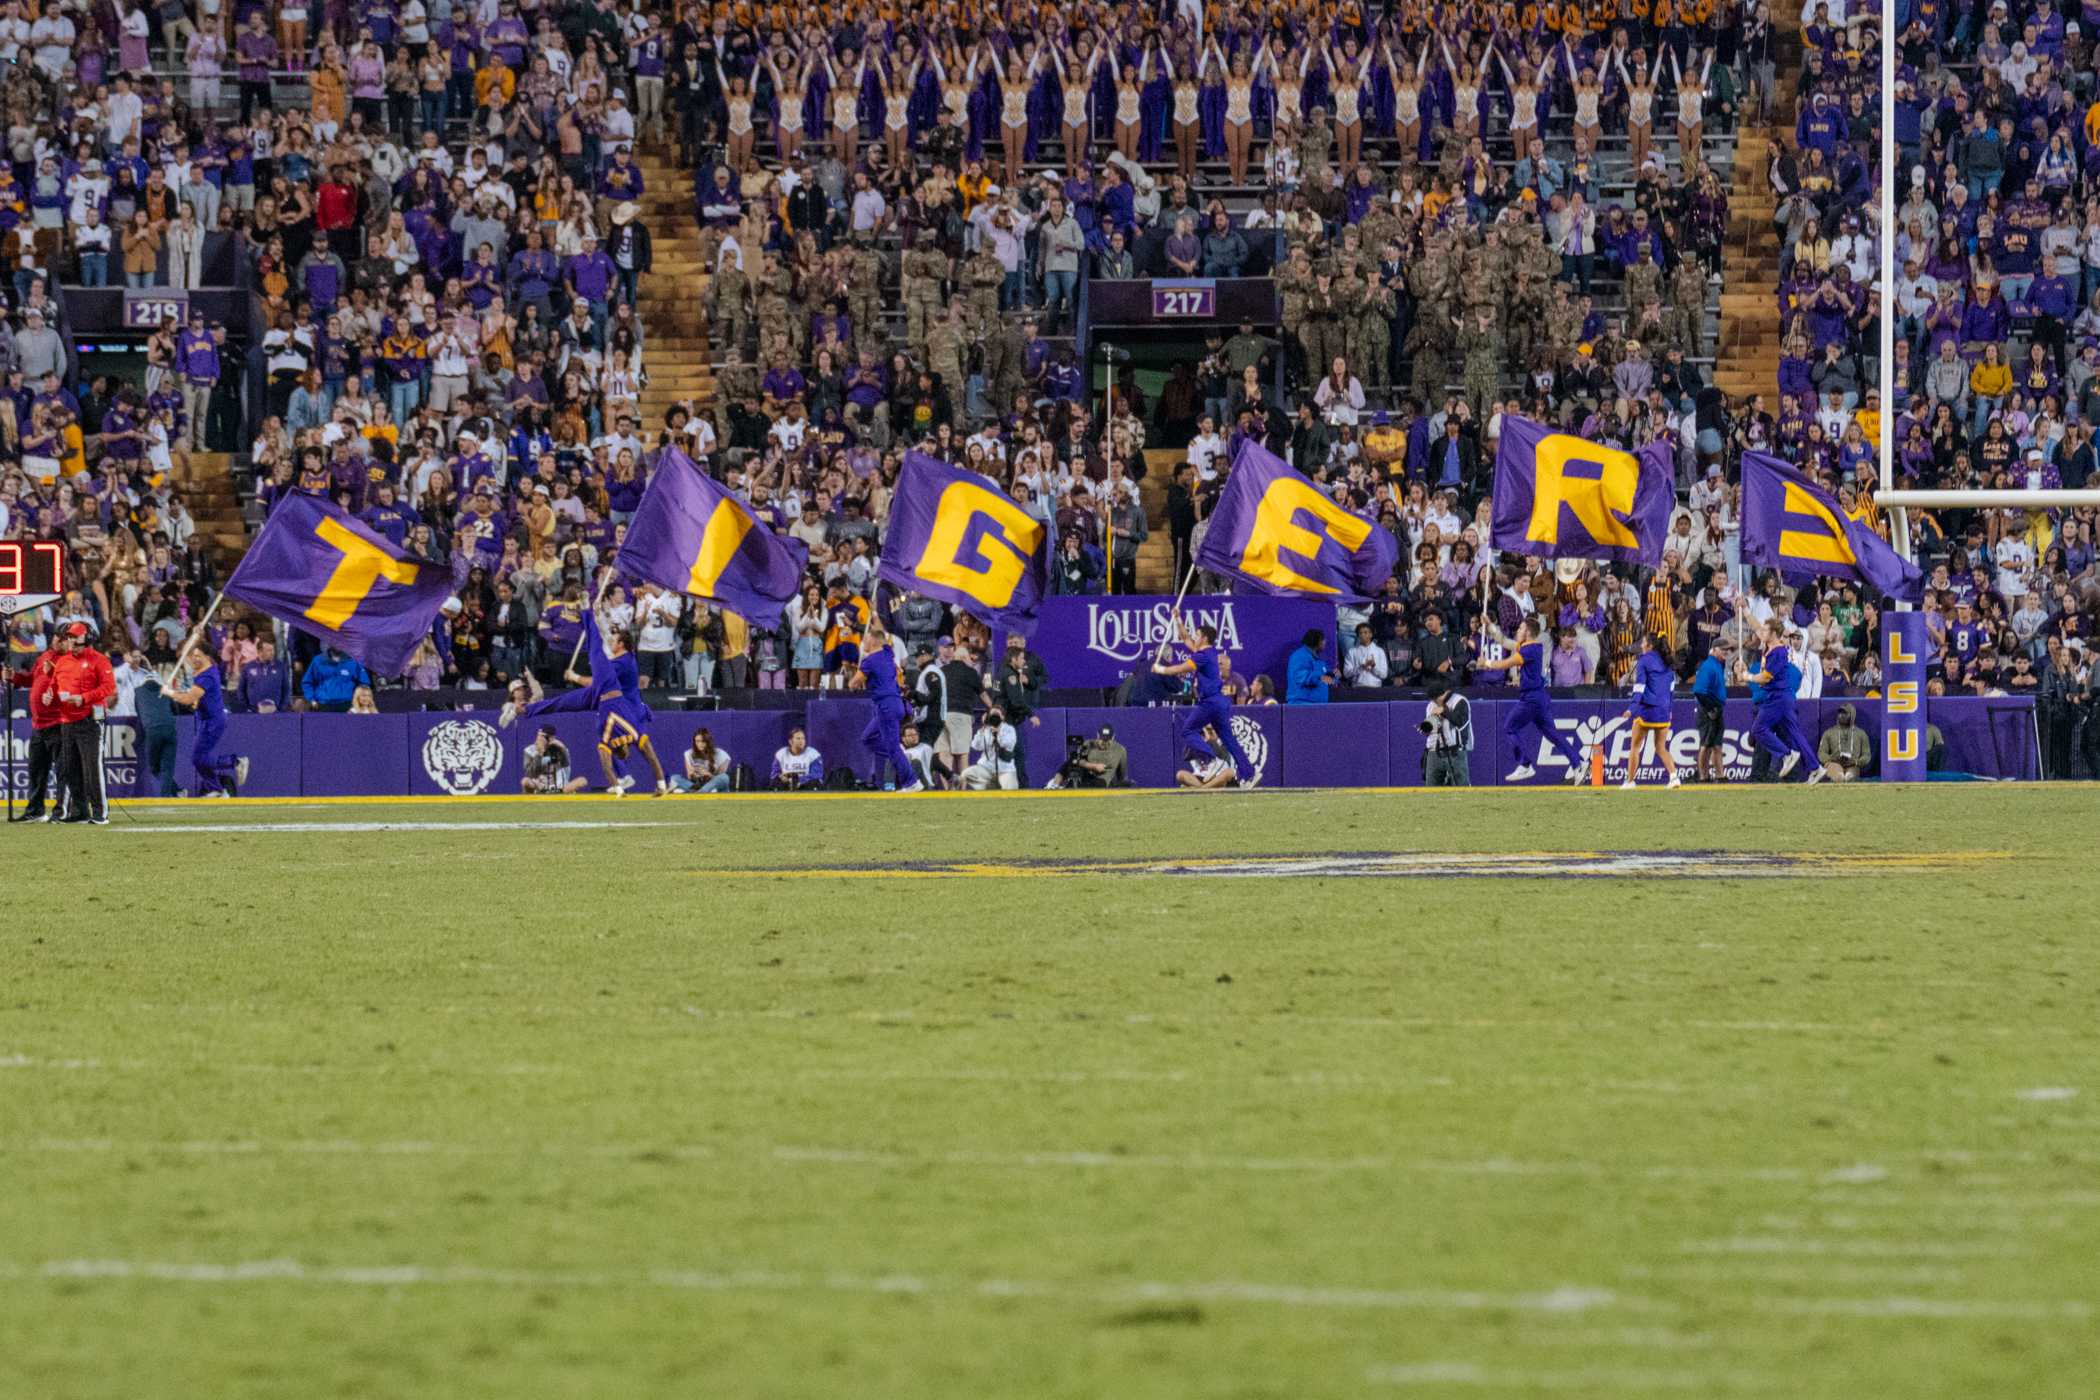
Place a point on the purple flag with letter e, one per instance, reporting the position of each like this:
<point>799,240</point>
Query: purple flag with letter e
<point>1791,523</point>
<point>327,573</point>
<point>690,534</point>
<point>1558,496</point>
<point>955,536</point>
<point>1276,531</point>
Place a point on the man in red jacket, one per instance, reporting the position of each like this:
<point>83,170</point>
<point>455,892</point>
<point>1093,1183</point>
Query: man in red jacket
<point>43,731</point>
<point>81,681</point>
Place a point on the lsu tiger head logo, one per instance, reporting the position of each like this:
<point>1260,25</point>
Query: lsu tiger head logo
<point>1254,743</point>
<point>463,756</point>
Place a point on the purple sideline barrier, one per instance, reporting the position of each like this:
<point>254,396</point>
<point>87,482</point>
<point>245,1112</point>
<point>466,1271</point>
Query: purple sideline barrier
<point>1315,746</point>
<point>1097,641</point>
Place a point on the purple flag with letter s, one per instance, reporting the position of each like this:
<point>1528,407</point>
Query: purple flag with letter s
<point>1558,496</point>
<point>955,536</point>
<point>329,574</point>
<point>690,534</point>
<point>1276,531</point>
<point>1791,523</point>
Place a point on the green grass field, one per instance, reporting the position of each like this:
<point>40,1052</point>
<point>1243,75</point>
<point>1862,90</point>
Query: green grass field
<point>1115,1104</point>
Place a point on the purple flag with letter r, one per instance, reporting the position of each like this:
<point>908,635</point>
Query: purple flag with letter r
<point>1558,496</point>
<point>955,536</point>
<point>690,534</point>
<point>1277,531</point>
<point>327,573</point>
<point>1791,523</point>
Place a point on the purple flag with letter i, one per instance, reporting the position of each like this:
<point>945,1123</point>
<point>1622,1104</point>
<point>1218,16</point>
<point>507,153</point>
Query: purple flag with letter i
<point>329,574</point>
<point>1276,531</point>
<point>955,536</point>
<point>1791,523</point>
<point>690,534</point>
<point>1558,496</point>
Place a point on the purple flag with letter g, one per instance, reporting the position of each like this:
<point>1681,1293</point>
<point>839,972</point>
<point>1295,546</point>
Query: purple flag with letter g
<point>1278,532</point>
<point>1791,523</point>
<point>329,574</point>
<point>955,536</point>
<point>690,534</point>
<point>1558,496</point>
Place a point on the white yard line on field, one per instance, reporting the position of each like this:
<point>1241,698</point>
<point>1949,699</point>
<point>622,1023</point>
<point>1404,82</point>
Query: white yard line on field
<point>1556,1301</point>
<point>1564,1300</point>
<point>1849,1249</point>
<point>345,1147</point>
<point>339,828</point>
<point>1598,1380</point>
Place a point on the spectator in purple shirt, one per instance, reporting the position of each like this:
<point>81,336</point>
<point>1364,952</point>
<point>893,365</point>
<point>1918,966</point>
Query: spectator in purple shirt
<point>258,55</point>
<point>589,276</point>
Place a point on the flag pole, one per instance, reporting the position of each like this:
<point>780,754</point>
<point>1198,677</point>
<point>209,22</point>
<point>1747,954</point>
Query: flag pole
<point>1176,613</point>
<point>189,643</point>
<point>604,577</point>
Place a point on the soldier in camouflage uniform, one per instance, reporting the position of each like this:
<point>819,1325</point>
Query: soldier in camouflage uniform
<point>1536,267</point>
<point>1323,324</point>
<point>947,350</point>
<point>864,296</point>
<point>735,382</point>
<point>1688,306</point>
<point>776,322</point>
<point>925,269</point>
<point>1643,283</point>
<point>983,276</point>
<point>1313,148</point>
<point>1294,282</point>
<point>1370,330</point>
<point>1563,325</point>
<point>1485,349</point>
<point>728,307</point>
<point>1003,351</point>
<point>1431,279</point>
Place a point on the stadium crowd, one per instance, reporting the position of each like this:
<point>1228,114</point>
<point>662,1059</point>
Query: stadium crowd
<point>1468,212</point>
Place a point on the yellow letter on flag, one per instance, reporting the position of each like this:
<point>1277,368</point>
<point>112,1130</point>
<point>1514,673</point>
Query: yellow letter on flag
<point>1827,546</point>
<point>726,529</point>
<point>1277,531</point>
<point>363,564</point>
<point>1002,553</point>
<point>1597,501</point>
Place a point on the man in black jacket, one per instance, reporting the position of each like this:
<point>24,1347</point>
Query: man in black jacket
<point>962,692</point>
<point>1019,692</point>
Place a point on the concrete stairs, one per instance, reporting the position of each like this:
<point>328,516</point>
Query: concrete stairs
<point>674,343</point>
<point>1746,360</point>
<point>208,489</point>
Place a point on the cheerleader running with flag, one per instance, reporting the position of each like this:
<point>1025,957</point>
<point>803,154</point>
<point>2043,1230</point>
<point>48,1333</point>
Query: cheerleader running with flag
<point>614,690</point>
<point>1211,710</point>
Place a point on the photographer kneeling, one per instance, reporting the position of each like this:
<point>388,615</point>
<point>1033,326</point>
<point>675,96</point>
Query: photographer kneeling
<point>1099,762</point>
<point>994,745</point>
<point>1447,733</point>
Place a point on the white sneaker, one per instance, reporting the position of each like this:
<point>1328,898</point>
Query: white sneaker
<point>1675,781</point>
<point>1575,774</point>
<point>616,790</point>
<point>509,715</point>
<point>240,773</point>
<point>915,787</point>
<point>663,789</point>
<point>1629,785</point>
<point>1521,772</point>
<point>1246,782</point>
<point>1814,778</point>
<point>1793,761</point>
<point>215,792</point>
<point>627,783</point>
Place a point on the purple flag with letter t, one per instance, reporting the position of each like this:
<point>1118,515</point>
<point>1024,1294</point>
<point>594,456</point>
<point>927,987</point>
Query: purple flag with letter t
<point>690,534</point>
<point>1277,531</point>
<point>1791,523</point>
<point>327,573</point>
<point>955,536</point>
<point>1558,496</point>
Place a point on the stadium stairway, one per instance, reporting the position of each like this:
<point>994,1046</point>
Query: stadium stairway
<point>1155,563</point>
<point>208,489</point>
<point>1746,360</point>
<point>674,346</point>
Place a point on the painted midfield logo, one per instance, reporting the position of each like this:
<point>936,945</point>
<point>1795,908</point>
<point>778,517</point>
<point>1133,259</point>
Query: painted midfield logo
<point>463,756</point>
